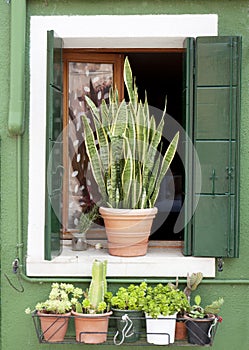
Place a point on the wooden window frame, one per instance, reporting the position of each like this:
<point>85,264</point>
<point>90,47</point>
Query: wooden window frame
<point>83,56</point>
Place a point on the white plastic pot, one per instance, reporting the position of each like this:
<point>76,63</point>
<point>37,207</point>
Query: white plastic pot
<point>161,330</point>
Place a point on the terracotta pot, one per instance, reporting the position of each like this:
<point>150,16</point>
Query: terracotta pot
<point>128,230</point>
<point>91,328</point>
<point>54,327</point>
<point>181,330</point>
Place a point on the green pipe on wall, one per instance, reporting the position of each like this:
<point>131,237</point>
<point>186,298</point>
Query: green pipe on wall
<point>131,280</point>
<point>17,67</point>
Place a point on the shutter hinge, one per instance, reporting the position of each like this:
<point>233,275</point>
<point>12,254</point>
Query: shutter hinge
<point>8,1</point>
<point>229,171</point>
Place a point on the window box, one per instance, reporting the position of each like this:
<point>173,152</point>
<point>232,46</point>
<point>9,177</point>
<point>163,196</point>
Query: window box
<point>70,336</point>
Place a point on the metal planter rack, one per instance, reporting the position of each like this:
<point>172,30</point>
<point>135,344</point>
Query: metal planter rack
<point>71,339</point>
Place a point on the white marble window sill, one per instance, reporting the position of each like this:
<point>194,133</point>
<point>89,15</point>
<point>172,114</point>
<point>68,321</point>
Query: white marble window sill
<point>158,262</point>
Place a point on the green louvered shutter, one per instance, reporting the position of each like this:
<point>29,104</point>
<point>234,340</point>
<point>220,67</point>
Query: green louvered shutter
<point>54,146</point>
<point>215,225</point>
<point>188,100</point>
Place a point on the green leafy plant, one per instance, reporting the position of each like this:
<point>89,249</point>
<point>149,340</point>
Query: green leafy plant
<point>197,311</point>
<point>122,143</point>
<point>95,299</point>
<point>59,300</point>
<point>130,298</point>
<point>164,300</point>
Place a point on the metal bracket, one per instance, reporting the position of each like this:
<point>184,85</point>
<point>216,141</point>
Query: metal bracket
<point>15,265</point>
<point>15,269</point>
<point>220,264</point>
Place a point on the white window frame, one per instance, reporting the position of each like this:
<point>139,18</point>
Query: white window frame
<point>145,31</point>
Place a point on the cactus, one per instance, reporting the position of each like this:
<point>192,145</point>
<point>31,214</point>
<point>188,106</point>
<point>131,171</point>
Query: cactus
<point>192,283</point>
<point>98,285</point>
<point>197,311</point>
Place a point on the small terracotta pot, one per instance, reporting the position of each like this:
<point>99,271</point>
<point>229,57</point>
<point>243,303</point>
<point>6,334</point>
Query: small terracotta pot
<point>128,230</point>
<point>91,328</point>
<point>54,327</point>
<point>181,330</point>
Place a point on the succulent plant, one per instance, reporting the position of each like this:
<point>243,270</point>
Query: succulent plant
<point>93,301</point>
<point>86,219</point>
<point>197,311</point>
<point>59,300</point>
<point>193,282</point>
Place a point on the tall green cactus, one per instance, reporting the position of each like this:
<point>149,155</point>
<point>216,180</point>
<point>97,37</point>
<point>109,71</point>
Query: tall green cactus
<point>98,285</point>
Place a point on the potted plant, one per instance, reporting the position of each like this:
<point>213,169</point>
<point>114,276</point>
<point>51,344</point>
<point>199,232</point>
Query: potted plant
<point>161,305</point>
<point>127,306</point>
<point>122,142</point>
<point>79,241</point>
<point>90,310</point>
<point>201,320</point>
<point>193,282</point>
<point>54,313</point>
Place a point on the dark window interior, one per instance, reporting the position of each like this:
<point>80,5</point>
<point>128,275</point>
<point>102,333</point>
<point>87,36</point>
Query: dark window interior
<point>161,75</point>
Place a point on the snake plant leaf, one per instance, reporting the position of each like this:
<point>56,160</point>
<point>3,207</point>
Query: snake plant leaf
<point>126,177</point>
<point>141,132</point>
<point>103,143</point>
<point>167,159</point>
<point>128,80</point>
<point>93,108</point>
<point>116,155</point>
<point>104,111</point>
<point>152,181</point>
<point>120,120</point>
<point>92,152</point>
<point>138,189</point>
<point>131,131</point>
<point>150,156</point>
<point>100,132</point>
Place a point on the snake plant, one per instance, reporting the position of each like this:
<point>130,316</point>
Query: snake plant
<point>122,143</point>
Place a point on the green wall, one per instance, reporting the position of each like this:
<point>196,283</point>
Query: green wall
<point>17,331</point>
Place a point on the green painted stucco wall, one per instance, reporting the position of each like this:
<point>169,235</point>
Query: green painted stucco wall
<point>17,331</point>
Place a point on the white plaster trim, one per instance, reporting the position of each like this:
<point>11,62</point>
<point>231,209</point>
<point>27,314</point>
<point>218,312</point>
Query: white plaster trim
<point>78,31</point>
<point>166,262</point>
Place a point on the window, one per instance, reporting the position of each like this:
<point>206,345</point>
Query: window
<point>159,73</point>
<point>193,86</point>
